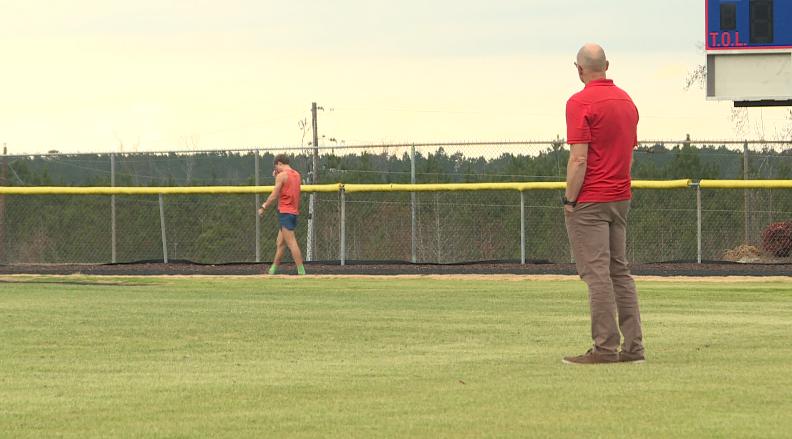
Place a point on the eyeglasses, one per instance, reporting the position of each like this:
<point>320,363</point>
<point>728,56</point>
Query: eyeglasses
<point>576,64</point>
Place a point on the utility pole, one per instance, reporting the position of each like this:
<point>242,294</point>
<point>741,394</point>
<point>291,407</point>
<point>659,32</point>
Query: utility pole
<point>315,130</point>
<point>314,180</point>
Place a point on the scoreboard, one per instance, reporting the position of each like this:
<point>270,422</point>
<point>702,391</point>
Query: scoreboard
<point>749,51</point>
<point>749,24</point>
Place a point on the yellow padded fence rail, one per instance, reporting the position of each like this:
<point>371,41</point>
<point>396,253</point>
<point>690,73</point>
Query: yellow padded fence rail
<point>353,188</point>
<point>745,184</point>
<point>516,186</point>
<point>187,190</point>
<point>662,184</point>
<point>453,187</point>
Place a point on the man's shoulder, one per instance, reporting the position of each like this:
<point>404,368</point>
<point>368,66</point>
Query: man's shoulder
<point>620,91</point>
<point>601,96</point>
<point>294,178</point>
<point>578,102</point>
<point>579,97</point>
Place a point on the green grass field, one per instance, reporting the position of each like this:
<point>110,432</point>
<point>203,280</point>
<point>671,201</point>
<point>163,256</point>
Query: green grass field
<point>319,357</point>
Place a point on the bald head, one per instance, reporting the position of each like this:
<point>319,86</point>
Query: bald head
<point>592,58</point>
<point>591,63</point>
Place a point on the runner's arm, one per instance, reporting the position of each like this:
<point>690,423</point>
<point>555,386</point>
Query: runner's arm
<point>279,179</point>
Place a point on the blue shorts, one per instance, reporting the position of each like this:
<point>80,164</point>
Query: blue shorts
<point>287,220</point>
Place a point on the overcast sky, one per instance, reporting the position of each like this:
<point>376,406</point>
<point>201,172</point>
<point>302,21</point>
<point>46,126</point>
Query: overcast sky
<point>86,75</point>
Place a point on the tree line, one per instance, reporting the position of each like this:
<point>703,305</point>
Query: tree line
<point>451,227</point>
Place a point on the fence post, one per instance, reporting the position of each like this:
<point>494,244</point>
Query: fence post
<point>413,209</point>
<point>113,235</point>
<point>698,222</point>
<point>3,176</point>
<point>438,241</point>
<point>522,227</point>
<point>342,246</point>
<point>309,254</point>
<point>162,227</point>
<point>746,196</point>
<point>256,174</point>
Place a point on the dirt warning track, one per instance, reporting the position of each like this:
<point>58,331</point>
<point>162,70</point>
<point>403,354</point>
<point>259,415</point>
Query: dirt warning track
<point>391,269</point>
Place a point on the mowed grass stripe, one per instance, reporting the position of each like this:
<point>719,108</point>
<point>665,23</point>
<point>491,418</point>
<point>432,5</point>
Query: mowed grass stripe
<point>259,357</point>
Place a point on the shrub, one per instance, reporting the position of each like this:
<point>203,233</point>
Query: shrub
<point>777,239</point>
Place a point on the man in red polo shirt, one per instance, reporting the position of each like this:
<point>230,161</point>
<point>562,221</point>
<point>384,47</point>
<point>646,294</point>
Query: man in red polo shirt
<point>602,133</point>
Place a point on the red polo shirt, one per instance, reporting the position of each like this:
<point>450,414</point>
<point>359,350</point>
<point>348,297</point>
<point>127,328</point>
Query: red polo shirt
<point>605,117</point>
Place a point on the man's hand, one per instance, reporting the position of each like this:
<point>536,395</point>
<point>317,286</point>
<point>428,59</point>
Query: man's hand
<point>568,208</point>
<point>261,209</point>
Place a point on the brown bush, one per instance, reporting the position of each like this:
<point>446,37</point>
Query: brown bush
<point>742,253</point>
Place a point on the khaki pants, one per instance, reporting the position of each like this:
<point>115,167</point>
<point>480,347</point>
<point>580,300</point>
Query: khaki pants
<point>598,238</point>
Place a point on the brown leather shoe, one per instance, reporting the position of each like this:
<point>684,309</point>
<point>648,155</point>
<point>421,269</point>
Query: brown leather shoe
<point>591,357</point>
<point>625,357</point>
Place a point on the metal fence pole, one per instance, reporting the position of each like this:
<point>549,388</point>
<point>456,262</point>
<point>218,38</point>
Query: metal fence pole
<point>310,238</point>
<point>698,222</point>
<point>342,244</point>
<point>413,209</point>
<point>3,177</point>
<point>437,228</point>
<point>113,241</point>
<point>256,174</point>
<point>522,227</point>
<point>746,197</point>
<point>162,227</point>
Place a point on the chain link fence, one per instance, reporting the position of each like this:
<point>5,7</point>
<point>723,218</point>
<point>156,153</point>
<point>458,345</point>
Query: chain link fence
<point>733,221</point>
<point>425,227</point>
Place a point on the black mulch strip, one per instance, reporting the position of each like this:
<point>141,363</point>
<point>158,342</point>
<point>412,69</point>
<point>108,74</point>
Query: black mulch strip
<point>392,268</point>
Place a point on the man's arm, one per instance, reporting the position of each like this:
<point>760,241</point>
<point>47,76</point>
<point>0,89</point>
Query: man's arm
<point>576,170</point>
<point>279,179</point>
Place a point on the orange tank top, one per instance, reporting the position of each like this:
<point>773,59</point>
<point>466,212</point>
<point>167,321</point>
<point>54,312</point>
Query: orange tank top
<point>289,200</point>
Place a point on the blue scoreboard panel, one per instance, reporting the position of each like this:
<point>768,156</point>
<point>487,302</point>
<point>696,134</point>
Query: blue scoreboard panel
<point>749,24</point>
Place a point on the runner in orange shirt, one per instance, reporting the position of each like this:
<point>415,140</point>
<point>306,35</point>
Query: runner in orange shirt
<point>287,192</point>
